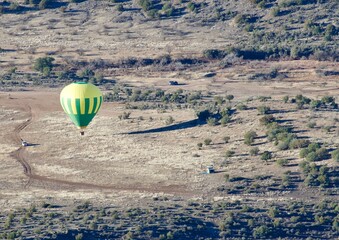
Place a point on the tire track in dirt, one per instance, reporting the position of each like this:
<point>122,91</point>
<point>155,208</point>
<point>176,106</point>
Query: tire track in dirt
<point>20,156</point>
<point>19,153</point>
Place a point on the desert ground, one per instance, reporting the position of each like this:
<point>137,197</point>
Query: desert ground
<point>140,168</point>
<point>113,158</point>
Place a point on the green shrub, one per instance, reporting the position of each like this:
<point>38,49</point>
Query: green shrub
<point>14,6</point>
<point>169,120</point>
<point>285,99</point>
<point>273,212</point>
<point>120,8</point>
<point>168,9</point>
<point>125,115</point>
<point>225,119</point>
<point>265,98</point>
<point>43,64</point>
<point>219,100</point>
<point>262,4</point>
<point>335,155</point>
<point>261,232</point>
<point>327,128</point>
<point>23,220</point>
<point>93,225</point>
<point>213,54</point>
<point>315,104</point>
<point>229,97</point>
<point>311,125</point>
<point>327,99</point>
<point>284,145</point>
<point>249,137</point>
<point>277,132</point>
<point>229,153</point>
<point>154,14</point>
<point>79,236</point>
<point>42,4</point>
<point>191,6</point>
<point>313,147</point>
<point>12,235</point>
<point>298,143</point>
<point>275,12</point>
<point>266,155</point>
<point>321,153</point>
<point>240,19</point>
<point>226,177</point>
<point>207,141</point>
<point>254,151</point>
<point>241,106</point>
<point>282,162</point>
<point>330,31</point>
<point>249,27</point>
<point>212,121</point>
<point>335,225</point>
<point>263,109</point>
<point>226,139</point>
<point>267,119</point>
<point>311,157</point>
<point>146,5</point>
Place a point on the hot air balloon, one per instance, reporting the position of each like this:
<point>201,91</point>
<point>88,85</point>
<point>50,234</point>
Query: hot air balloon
<point>81,102</point>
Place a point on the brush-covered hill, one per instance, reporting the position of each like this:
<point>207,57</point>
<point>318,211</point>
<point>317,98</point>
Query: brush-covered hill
<point>251,29</point>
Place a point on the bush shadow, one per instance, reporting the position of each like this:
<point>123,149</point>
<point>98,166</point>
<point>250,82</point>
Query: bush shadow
<point>178,126</point>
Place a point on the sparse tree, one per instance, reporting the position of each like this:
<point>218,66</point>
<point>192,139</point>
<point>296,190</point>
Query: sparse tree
<point>226,177</point>
<point>207,141</point>
<point>212,121</point>
<point>249,137</point>
<point>260,232</point>
<point>263,110</point>
<point>254,151</point>
<point>44,64</point>
<point>335,155</point>
<point>169,120</point>
<point>120,7</point>
<point>225,119</point>
<point>229,153</point>
<point>311,124</point>
<point>282,162</point>
<point>79,236</point>
<point>285,99</point>
<point>266,155</point>
<point>275,12</point>
<point>229,97</point>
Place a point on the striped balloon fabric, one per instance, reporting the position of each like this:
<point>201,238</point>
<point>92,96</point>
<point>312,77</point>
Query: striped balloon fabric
<point>81,101</point>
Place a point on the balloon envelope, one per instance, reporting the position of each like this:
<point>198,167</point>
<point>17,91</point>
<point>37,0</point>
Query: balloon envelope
<point>81,102</point>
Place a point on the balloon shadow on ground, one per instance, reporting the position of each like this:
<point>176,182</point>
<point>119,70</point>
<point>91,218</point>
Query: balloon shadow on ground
<point>178,126</point>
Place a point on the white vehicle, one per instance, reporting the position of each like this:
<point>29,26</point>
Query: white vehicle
<point>210,169</point>
<point>24,143</point>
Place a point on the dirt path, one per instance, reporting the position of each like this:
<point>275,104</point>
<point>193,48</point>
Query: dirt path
<point>21,156</point>
<point>19,153</point>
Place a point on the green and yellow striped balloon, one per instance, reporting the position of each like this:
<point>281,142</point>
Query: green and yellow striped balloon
<point>81,102</point>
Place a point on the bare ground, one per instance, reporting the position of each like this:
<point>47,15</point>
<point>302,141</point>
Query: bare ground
<point>109,164</point>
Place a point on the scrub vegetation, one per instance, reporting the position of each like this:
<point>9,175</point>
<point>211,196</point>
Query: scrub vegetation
<point>219,121</point>
<point>163,220</point>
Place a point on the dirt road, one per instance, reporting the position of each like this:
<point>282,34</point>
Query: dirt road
<point>21,156</point>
